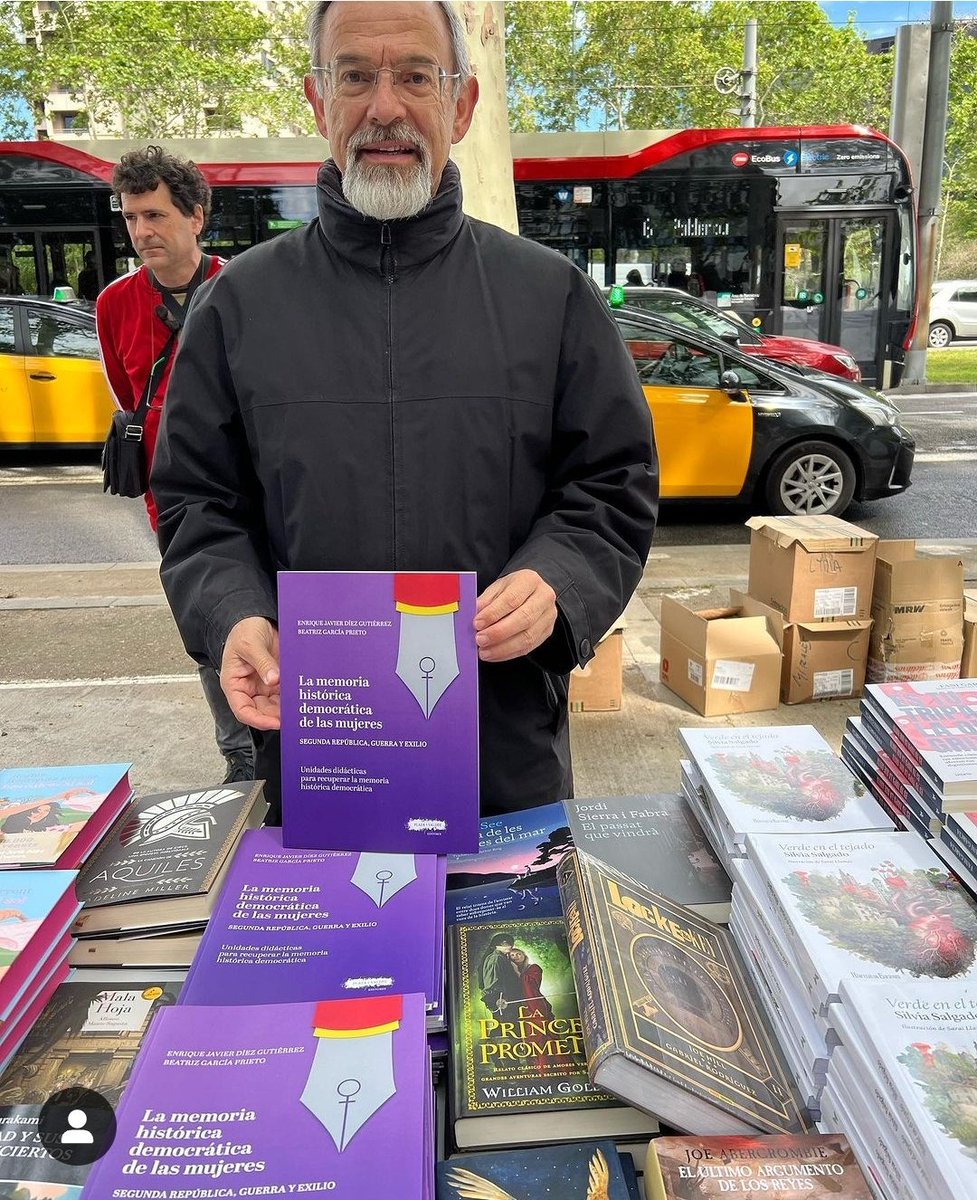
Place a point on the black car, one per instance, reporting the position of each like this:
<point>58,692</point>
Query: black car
<point>733,426</point>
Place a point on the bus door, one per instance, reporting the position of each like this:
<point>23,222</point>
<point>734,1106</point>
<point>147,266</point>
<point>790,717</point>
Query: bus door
<point>829,283</point>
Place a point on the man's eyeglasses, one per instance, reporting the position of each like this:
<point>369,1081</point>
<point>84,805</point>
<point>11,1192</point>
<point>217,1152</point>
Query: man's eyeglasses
<point>419,81</point>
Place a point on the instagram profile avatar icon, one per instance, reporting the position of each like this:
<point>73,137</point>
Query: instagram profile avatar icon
<point>77,1135</point>
<point>76,1126</point>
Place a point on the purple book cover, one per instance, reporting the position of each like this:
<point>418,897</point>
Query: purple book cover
<point>295,925</point>
<point>275,1100</point>
<point>379,709</point>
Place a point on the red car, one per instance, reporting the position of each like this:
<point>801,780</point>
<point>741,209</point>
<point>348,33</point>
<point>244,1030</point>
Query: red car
<point>675,305</point>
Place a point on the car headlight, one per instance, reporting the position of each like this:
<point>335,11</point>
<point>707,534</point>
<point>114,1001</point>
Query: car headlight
<point>877,412</point>
<point>846,361</point>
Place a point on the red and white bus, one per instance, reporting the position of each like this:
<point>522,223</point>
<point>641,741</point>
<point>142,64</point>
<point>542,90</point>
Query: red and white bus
<point>807,231</point>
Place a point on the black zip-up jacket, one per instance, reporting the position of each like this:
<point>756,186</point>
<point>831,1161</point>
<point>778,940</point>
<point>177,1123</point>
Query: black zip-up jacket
<point>423,395</point>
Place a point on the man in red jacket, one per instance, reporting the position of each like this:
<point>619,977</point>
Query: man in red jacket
<point>165,202</point>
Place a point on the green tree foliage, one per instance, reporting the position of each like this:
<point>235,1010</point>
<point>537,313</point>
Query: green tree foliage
<point>957,254</point>
<point>151,70</point>
<point>14,60</point>
<point>288,63</point>
<point>636,65</point>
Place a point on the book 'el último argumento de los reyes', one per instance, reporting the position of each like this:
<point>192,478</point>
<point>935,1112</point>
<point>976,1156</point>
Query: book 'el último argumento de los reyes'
<point>329,1098</point>
<point>669,1021</point>
<point>379,683</point>
<point>519,1071</point>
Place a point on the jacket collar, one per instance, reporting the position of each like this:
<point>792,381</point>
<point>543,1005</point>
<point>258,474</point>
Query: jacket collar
<point>413,241</point>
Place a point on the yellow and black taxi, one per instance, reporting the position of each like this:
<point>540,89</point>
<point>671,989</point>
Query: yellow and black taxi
<point>738,427</point>
<point>52,389</point>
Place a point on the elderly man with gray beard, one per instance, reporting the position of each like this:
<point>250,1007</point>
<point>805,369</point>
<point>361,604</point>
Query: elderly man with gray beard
<point>399,387</point>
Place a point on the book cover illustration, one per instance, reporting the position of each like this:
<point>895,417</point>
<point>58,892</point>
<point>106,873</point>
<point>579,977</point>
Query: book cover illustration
<point>877,906</point>
<point>921,1043</point>
<point>780,779</point>
<point>589,1171</point>
<point>275,1100</point>
<point>675,1000</point>
<point>87,1036</point>
<point>656,839</point>
<point>819,1166</point>
<point>514,872</point>
<point>935,724</point>
<point>35,906</point>
<point>43,810</point>
<point>169,844</point>
<point>515,1022</point>
<point>294,925</point>
<point>379,711</point>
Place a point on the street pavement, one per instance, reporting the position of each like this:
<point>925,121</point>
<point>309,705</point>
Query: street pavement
<point>92,670</point>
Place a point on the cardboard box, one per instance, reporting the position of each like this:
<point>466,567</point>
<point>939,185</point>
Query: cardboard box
<point>968,662</point>
<point>812,568</point>
<point>917,605</point>
<point>823,660</point>
<point>599,686</point>
<point>718,660</point>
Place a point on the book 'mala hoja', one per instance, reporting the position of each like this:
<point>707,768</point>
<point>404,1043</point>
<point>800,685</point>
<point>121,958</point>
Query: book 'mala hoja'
<point>669,1021</point>
<point>656,840</point>
<point>820,1166</point>
<point>328,1098</point>
<point>87,1036</point>
<point>379,704</point>
<point>520,1073</point>
<point>296,924</point>
<point>55,816</point>
<point>163,863</point>
<point>514,872</point>
<point>588,1171</point>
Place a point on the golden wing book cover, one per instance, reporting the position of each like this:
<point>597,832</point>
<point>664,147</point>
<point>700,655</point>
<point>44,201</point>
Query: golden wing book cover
<point>670,1022</point>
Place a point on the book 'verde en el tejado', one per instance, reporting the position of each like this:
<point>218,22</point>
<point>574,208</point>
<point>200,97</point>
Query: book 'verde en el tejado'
<point>820,1166</point>
<point>56,816</point>
<point>330,1098</point>
<point>519,1070</point>
<point>163,863</point>
<point>670,1022</point>
<point>292,925</point>
<point>379,711</point>
<point>586,1171</point>
<point>655,839</point>
<point>514,872</point>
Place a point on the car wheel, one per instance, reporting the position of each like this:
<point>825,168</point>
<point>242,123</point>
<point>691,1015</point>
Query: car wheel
<point>811,477</point>
<point>941,335</point>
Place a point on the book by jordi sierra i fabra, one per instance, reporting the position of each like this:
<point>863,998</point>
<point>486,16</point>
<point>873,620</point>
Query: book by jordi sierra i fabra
<point>164,862</point>
<point>379,711</point>
<point>670,1022</point>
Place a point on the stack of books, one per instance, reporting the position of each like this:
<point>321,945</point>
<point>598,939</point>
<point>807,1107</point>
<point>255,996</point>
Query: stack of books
<point>669,1020</point>
<point>56,816</point>
<point>902,1084</point>
<point>148,892</point>
<point>771,780</point>
<point>812,912</point>
<point>36,912</point>
<point>278,1099</point>
<point>293,925</point>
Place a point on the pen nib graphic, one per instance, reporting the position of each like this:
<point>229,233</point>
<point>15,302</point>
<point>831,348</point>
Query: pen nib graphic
<point>427,658</point>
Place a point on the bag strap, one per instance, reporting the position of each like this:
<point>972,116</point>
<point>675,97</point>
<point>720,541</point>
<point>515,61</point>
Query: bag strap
<point>178,313</point>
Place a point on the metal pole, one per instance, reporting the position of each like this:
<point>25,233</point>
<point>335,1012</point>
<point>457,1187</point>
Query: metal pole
<point>748,77</point>
<point>931,179</point>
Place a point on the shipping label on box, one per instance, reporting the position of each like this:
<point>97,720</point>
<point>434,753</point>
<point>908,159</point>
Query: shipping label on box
<point>812,568</point>
<point>718,660</point>
<point>917,606</point>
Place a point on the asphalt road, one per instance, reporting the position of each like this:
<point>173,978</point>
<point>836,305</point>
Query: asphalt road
<point>52,509</point>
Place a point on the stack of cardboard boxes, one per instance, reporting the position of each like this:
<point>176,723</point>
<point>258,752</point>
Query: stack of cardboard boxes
<point>826,604</point>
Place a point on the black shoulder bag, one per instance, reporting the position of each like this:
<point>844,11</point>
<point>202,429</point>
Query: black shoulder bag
<point>125,469</point>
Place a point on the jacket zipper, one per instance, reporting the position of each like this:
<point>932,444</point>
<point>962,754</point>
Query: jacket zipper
<point>387,270</point>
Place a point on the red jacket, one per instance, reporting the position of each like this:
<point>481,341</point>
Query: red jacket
<point>130,339</point>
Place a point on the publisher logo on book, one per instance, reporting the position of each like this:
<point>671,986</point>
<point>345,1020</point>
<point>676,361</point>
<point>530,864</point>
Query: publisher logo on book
<point>76,1126</point>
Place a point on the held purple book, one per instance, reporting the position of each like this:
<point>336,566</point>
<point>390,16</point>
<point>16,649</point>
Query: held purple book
<point>275,1100</point>
<point>295,925</point>
<point>379,710</point>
